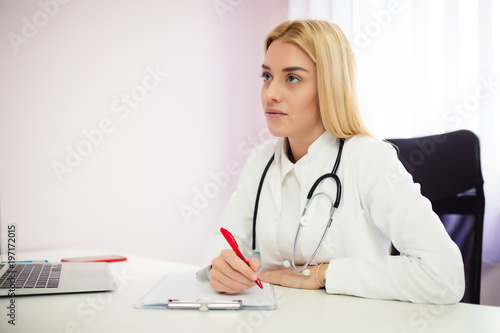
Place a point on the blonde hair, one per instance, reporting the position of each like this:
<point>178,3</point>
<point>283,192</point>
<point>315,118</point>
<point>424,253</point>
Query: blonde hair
<point>329,49</point>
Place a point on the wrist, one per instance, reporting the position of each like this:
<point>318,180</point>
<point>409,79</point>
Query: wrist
<point>321,275</point>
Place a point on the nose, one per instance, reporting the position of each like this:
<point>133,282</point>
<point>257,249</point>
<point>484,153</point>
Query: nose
<point>272,92</point>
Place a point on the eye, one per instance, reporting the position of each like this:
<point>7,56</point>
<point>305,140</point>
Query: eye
<point>266,76</point>
<point>292,79</point>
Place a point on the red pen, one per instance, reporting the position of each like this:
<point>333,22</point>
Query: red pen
<point>230,239</point>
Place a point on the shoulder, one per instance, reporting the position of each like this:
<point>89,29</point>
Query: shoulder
<point>363,147</point>
<point>263,152</point>
<point>257,159</point>
<point>259,156</point>
<point>267,149</point>
<point>368,143</point>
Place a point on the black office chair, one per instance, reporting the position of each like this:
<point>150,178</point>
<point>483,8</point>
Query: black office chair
<point>448,169</point>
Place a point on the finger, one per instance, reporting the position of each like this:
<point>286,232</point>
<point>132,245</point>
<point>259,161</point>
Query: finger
<point>238,265</point>
<point>221,288</point>
<point>228,286</point>
<point>254,264</point>
<point>227,276</point>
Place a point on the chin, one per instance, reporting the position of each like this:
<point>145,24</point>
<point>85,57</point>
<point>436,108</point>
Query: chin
<point>276,132</point>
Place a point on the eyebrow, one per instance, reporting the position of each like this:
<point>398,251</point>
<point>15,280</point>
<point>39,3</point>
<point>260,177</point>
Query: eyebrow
<point>288,69</point>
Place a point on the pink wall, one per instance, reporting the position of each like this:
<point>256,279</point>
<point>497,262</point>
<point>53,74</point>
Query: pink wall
<point>116,115</point>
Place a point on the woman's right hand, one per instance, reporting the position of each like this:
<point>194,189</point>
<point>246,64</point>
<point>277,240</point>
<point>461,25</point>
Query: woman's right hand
<point>230,274</point>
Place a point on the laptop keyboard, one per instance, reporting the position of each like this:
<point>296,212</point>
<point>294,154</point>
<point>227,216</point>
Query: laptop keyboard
<point>31,276</point>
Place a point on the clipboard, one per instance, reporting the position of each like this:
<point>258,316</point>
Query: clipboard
<point>182,291</point>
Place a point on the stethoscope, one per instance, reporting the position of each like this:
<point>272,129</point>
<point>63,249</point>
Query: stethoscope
<point>304,220</point>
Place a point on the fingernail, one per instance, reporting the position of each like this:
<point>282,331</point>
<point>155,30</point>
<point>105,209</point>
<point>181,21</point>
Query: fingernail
<point>254,277</point>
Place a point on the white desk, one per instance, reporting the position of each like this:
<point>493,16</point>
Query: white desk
<point>298,310</point>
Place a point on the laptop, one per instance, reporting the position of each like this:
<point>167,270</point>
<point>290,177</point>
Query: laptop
<point>50,278</point>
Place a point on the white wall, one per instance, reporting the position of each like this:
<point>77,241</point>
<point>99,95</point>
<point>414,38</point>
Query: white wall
<point>67,68</point>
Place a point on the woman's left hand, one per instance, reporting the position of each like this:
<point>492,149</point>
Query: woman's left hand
<point>288,278</point>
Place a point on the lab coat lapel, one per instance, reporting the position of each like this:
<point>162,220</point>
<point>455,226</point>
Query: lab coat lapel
<point>322,157</point>
<point>274,183</point>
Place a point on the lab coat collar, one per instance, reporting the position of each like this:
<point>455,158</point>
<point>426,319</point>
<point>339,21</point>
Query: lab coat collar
<point>274,176</point>
<point>285,164</point>
<point>318,151</point>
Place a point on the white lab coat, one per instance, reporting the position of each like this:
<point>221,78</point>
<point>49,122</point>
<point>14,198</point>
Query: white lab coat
<point>379,203</point>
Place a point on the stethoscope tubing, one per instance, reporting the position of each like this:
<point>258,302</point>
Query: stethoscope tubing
<point>257,199</point>
<point>310,196</point>
<point>330,219</point>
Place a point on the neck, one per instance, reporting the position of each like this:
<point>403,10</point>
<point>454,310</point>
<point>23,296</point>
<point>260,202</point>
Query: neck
<point>297,148</point>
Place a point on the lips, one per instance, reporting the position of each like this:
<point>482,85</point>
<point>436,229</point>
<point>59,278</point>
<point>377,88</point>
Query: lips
<point>272,113</point>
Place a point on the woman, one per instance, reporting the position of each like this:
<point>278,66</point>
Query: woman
<point>309,100</point>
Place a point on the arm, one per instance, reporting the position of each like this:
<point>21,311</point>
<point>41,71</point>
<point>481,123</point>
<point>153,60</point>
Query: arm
<point>429,269</point>
<point>287,278</point>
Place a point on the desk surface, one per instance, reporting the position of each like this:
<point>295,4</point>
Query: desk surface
<point>298,310</point>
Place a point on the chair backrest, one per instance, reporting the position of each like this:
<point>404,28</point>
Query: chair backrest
<point>448,169</point>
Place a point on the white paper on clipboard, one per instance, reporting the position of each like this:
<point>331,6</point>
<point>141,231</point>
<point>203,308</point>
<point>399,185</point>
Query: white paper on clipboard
<point>185,288</point>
